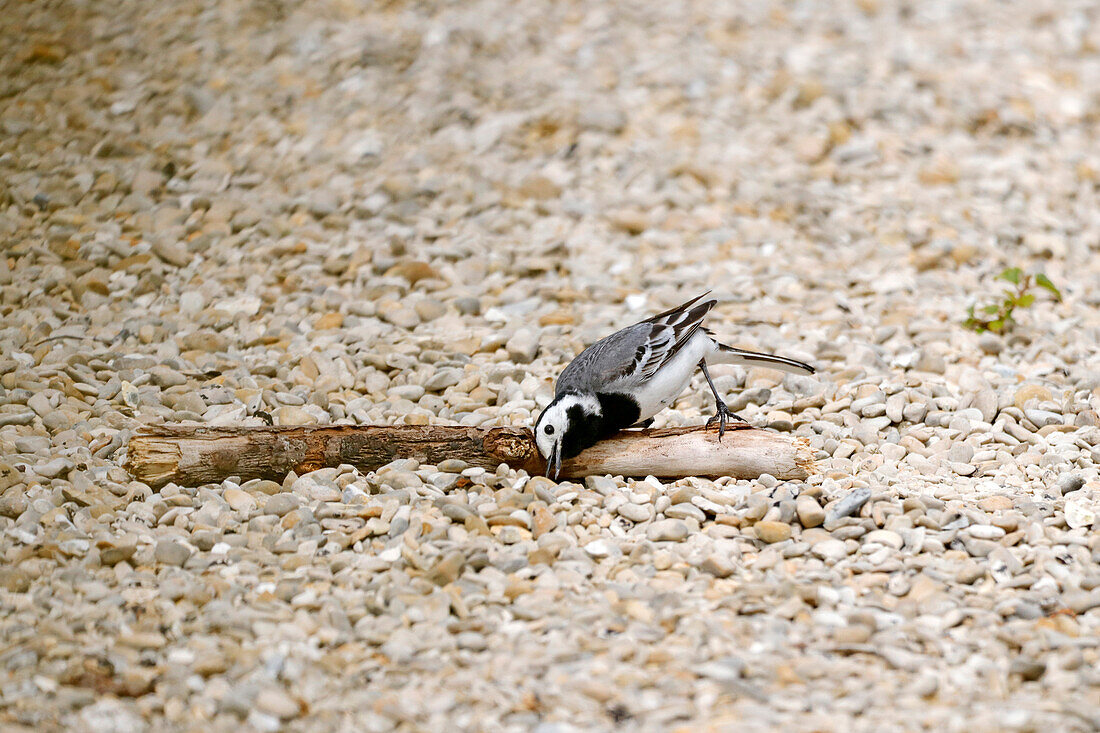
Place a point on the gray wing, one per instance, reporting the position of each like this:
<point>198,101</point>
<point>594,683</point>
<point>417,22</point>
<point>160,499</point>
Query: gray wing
<point>606,361</point>
<point>631,356</point>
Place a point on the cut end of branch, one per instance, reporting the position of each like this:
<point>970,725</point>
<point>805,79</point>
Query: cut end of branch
<point>153,459</point>
<point>804,457</point>
<point>515,446</point>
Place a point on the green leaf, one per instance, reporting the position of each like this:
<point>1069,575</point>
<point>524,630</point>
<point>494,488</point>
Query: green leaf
<point>997,326</point>
<point>1012,274</point>
<point>991,309</point>
<point>1044,282</point>
<point>1025,300</point>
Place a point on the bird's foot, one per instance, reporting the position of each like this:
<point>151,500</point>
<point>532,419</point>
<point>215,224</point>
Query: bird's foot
<point>721,416</point>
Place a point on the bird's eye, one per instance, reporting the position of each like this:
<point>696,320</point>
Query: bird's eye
<point>549,430</point>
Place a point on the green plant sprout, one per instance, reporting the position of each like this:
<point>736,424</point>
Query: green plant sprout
<point>998,317</point>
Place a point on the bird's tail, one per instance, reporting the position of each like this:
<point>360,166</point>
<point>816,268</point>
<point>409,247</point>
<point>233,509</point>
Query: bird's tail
<point>730,355</point>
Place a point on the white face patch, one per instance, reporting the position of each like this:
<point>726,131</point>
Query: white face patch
<point>554,420</point>
<point>550,427</point>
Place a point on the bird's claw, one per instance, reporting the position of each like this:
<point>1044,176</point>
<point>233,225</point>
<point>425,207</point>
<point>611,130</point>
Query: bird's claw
<point>721,416</point>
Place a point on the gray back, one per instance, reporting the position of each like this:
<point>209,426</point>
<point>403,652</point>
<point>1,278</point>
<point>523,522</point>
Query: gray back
<point>608,363</point>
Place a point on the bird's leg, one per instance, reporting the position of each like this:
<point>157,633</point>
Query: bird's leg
<point>722,413</point>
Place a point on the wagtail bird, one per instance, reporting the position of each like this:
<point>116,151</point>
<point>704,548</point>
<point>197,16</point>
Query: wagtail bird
<point>628,377</point>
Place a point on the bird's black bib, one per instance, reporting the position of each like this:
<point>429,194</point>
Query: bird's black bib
<point>619,412</point>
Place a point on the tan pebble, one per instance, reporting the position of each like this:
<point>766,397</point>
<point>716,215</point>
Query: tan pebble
<point>811,148</point>
<point>761,377</point>
<point>809,91</point>
<point>718,565</point>
<point>772,531</point>
<point>43,54</point>
<point>290,415</point>
<point>637,610</point>
<point>275,701</point>
<point>482,395</point>
<point>810,513</point>
<point>329,321</point>
<point>1030,392</point>
<point>414,271</point>
<point>448,569</point>
<point>541,482</point>
<point>474,523</point>
<point>114,554</point>
<point>9,476</point>
<point>780,420</point>
<point>247,395</point>
<point>429,310</point>
<point>630,221</point>
<point>885,537</point>
<point>544,521</point>
<point>143,640</point>
<point>239,501</point>
<point>538,186</point>
<point>942,171</point>
<point>813,536</point>
<point>923,587</point>
<point>866,390</point>
<point>268,487</point>
<point>541,556</point>
<point>557,318</point>
<point>995,503</point>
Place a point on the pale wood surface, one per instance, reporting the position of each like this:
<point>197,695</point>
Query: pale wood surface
<point>191,455</point>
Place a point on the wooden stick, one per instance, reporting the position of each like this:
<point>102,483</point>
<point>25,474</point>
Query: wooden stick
<point>192,455</point>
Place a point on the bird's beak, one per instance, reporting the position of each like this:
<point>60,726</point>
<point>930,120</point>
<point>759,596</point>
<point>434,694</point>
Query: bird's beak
<point>553,465</point>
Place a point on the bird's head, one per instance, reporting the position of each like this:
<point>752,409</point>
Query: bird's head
<point>567,426</point>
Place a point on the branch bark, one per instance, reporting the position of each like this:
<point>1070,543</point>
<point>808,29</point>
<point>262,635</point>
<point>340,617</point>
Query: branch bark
<point>192,455</point>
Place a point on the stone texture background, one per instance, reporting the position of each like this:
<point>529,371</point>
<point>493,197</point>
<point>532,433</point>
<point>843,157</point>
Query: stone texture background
<point>419,212</point>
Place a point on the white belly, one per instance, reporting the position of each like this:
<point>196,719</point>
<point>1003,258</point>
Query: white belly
<point>673,378</point>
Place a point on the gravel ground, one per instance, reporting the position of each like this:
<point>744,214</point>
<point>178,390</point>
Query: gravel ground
<point>419,212</point>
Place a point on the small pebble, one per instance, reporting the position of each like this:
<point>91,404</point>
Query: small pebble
<point>771,532</point>
<point>667,530</point>
<point>170,552</point>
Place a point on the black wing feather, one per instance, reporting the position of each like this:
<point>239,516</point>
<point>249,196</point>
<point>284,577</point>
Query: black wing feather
<point>684,321</point>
